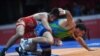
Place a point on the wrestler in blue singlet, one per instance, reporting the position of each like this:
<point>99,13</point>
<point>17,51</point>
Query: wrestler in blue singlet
<point>57,30</point>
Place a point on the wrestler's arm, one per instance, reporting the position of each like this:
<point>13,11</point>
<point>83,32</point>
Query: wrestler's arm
<point>44,20</point>
<point>69,19</point>
<point>67,14</point>
<point>43,17</point>
<point>82,42</point>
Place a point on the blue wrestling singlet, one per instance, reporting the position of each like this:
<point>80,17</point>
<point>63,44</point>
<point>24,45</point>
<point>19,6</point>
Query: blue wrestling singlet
<point>57,30</point>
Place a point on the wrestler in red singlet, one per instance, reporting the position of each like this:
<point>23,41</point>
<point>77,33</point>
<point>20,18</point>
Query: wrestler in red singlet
<point>30,24</point>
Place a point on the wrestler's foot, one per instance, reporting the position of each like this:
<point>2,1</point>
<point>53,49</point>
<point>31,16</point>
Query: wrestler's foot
<point>17,50</point>
<point>20,52</point>
<point>2,53</point>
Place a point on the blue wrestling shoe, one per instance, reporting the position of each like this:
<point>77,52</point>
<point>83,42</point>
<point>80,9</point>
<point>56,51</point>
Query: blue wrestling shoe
<point>2,53</point>
<point>20,52</point>
<point>27,53</point>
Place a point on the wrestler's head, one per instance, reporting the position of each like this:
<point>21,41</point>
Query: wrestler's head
<point>80,29</point>
<point>54,14</point>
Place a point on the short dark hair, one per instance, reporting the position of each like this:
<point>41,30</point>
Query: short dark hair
<point>55,12</point>
<point>81,26</point>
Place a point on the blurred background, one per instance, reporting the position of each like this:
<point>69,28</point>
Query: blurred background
<point>12,10</point>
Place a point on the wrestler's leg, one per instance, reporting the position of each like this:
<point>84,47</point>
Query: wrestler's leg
<point>32,47</point>
<point>13,39</point>
<point>46,49</point>
<point>26,46</point>
<point>47,38</point>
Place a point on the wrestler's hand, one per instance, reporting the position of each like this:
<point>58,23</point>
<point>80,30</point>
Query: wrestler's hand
<point>62,11</point>
<point>90,49</point>
<point>58,42</point>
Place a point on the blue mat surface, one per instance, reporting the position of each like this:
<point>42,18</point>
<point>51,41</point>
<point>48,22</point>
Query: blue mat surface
<point>66,44</point>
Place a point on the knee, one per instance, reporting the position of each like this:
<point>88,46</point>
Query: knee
<point>19,35</point>
<point>50,41</point>
<point>49,38</point>
<point>20,30</point>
